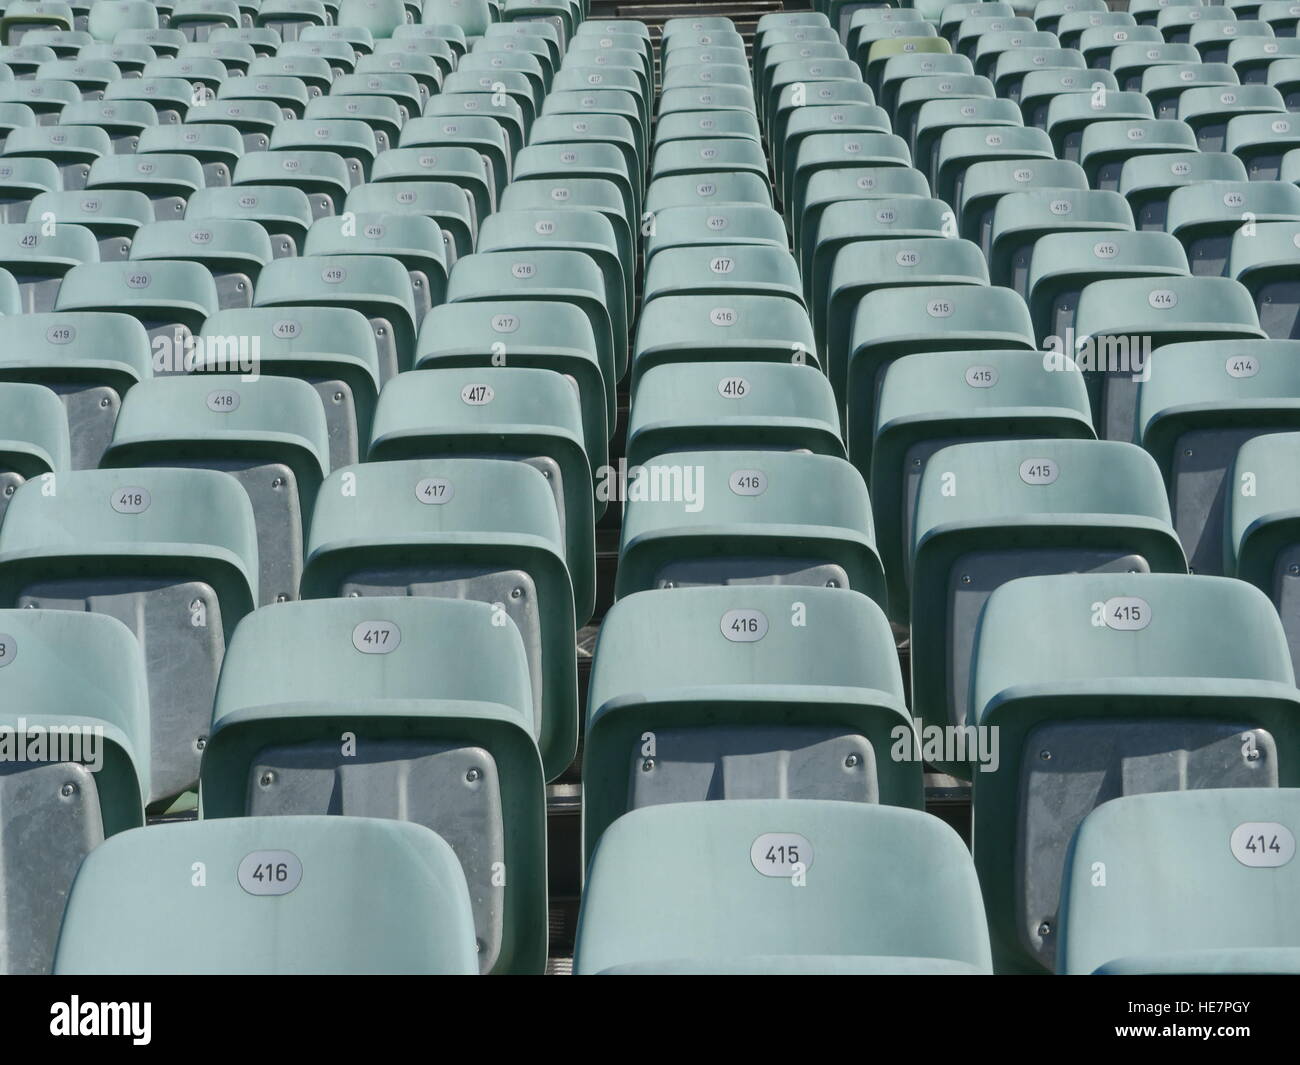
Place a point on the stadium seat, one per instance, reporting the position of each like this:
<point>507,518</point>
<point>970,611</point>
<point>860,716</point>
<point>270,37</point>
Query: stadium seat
<point>985,183</point>
<point>268,433</point>
<point>695,406</point>
<point>234,250</point>
<point>747,517</point>
<point>1064,264</point>
<point>1107,146</point>
<point>1110,685</point>
<point>171,298</point>
<point>1120,322</point>
<point>1148,182</point>
<point>1205,216</point>
<point>35,441</point>
<point>1202,401</point>
<point>743,693</point>
<point>38,260</point>
<point>466,528</point>
<point>741,916</point>
<point>931,400</point>
<point>331,348</point>
<point>397,888</point>
<point>1264,258</point>
<point>75,788</point>
<point>530,415</point>
<point>894,322</point>
<point>175,557</point>
<point>1140,924</point>
<point>992,511</point>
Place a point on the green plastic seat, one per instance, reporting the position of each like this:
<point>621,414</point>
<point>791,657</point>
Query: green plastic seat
<point>344,116</point>
<point>1208,110</point>
<point>380,18</point>
<point>574,77</point>
<point>107,20</point>
<point>263,41</point>
<point>205,72</point>
<point>289,93</point>
<point>892,322</point>
<point>171,98</point>
<point>348,138</point>
<point>721,270</point>
<point>313,71</point>
<point>707,155</point>
<point>675,329</point>
<point>122,120</point>
<point>416,241</point>
<point>868,266</point>
<point>900,69</point>
<point>1040,89</point>
<point>196,19</point>
<point>619,131</point>
<point>283,211</point>
<point>551,335</point>
<point>1260,521</point>
<point>331,348</point>
<point>797,83</point>
<point>1164,85</point>
<point>824,152</point>
<point>992,46</point>
<point>170,298</point>
<point>786,52</point>
<point>1264,259</point>
<point>268,433</point>
<point>816,119</point>
<point>22,17</point>
<point>1146,12</point>
<point>1099,43</point>
<point>601,101</point>
<point>112,215</point>
<point>454,163</point>
<point>234,250</point>
<point>464,528</point>
<point>1284,75</point>
<point>916,92</point>
<point>46,100</point>
<point>109,775</point>
<point>694,406</point>
<point>91,76</point>
<point>38,260</point>
<point>1279,15</point>
<point>457,105</point>
<point>992,511</point>
<point>936,118</point>
<point>476,132</point>
<point>826,188</point>
<point>290,18</point>
<point>426,70</point>
<point>22,180</point>
<point>1206,216</point>
<point>560,275</point>
<point>167,180</point>
<point>743,918</point>
<point>964,147</point>
<point>931,400</point>
<point>89,360</point>
<point>35,436</point>
<point>398,887</point>
<point>1107,146</point>
<point>707,189</point>
<point>872,56</point>
<point>978,25</point>
<point>709,225</point>
<point>449,33</point>
<point>1177,24</point>
<point>1070,114</point>
<point>425,720</point>
<point>1129,62</point>
<point>850,221</point>
<point>1131,684</point>
<point>1063,264</point>
<point>171,552</point>
<point>1213,39</point>
<point>1074,25</point>
<point>1201,403</point>
<point>746,517</point>
<point>740,693</point>
<point>510,87</point>
<point>530,415</point>
<point>1260,141</point>
<point>472,16</point>
<point>1021,219</point>
<point>70,148</point>
<point>165,43</point>
<point>216,147</point>
<point>376,285</point>
<point>23,59</point>
<point>1120,323</point>
<point>1148,182</point>
<point>1139,926</point>
<point>986,183</point>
